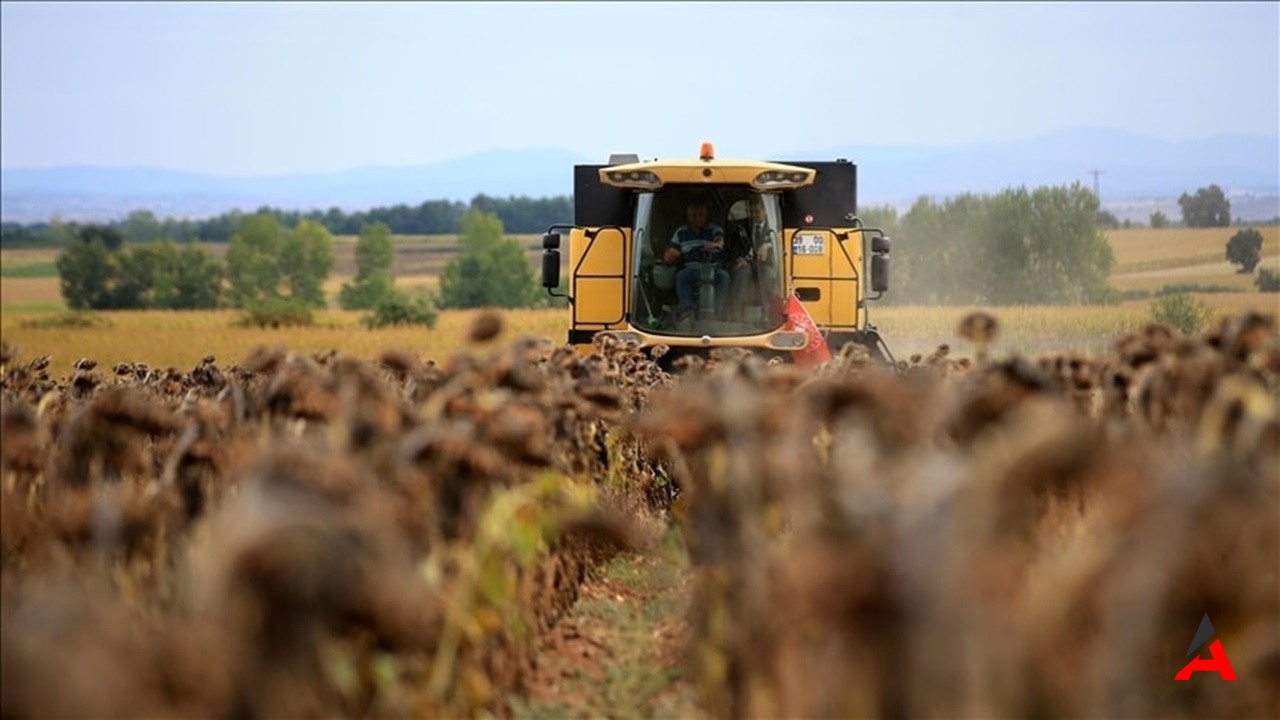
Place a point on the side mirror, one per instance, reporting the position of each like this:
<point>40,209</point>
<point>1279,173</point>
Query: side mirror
<point>550,264</point>
<point>879,273</point>
<point>880,245</point>
<point>551,241</point>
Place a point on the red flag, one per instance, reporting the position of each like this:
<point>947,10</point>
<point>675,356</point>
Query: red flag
<point>798,319</point>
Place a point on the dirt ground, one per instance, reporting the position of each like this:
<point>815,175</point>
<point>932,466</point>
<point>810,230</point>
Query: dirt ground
<point>619,653</point>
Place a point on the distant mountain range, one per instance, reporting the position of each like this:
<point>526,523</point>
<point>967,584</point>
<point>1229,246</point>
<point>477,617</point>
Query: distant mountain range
<point>1138,174</point>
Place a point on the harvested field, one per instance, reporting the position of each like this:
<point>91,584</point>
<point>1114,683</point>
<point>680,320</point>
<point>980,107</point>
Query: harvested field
<point>909,330</point>
<point>1218,274</point>
<point>1143,249</point>
<point>181,339</point>
<point>38,294</point>
<point>418,255</point>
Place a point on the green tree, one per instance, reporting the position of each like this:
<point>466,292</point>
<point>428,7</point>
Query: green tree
<point>253,269</point>
<point>1245,249</point>
<point>306,257</point>
<point>939,257</point>
<point>110,237</point>
<point>1070,260</point>
<point>1209,207</point>
<point>86,272</point>
<point>141,226</point>
<point>1019,246</point>
<point>197,280</point>
<point>884,217</point>
<point>375,254</point>
<point>151,275</point>
<point>1007,253</point>
<point>264,261</point>
<point>491,270</point>
<point>365,294</point>
<point>52,234</point>
<point>1159,220</point>
<point>146,276</point>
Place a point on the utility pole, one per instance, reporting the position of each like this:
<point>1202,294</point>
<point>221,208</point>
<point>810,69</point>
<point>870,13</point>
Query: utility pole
<point>1096,192</point>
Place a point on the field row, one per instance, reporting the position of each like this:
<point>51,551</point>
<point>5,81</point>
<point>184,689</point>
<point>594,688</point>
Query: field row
<point>1212,274</point>
<point>181,339</point>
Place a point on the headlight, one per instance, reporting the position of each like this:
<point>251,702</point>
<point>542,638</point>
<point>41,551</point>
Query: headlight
<point>626,336</point>
<point>642,179</point>
<point>779,179</point>
<point>789,340</point>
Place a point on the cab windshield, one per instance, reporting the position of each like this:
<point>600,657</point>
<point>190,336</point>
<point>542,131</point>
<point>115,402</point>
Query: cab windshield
<point>707,261</point>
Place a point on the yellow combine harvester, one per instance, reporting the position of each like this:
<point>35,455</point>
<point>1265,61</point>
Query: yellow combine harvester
<point>701,253</point>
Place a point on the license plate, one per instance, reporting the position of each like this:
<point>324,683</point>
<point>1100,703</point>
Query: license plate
<point>809,244</point>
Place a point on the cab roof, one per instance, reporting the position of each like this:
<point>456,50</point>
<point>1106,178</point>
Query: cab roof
<point>763,174</point>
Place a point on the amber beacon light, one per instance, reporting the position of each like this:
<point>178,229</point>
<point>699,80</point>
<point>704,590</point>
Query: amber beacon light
<point>706,152</point>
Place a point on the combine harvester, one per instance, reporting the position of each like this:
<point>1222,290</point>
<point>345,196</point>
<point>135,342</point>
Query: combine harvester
<point>792,277</point>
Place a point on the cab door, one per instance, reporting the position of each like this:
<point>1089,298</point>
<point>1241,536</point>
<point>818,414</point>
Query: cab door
<point>824,250</point>
<point>599,252</point>
<point>598,262</point>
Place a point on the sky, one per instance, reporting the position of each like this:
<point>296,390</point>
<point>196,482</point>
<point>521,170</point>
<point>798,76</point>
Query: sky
<point>249,89</point>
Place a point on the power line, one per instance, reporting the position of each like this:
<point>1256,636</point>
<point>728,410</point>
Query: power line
<point>1096,192</point>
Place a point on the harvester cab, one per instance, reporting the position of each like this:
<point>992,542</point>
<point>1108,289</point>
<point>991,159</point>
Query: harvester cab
<point>694,254</point>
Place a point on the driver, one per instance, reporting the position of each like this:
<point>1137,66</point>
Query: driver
<point>691,245</point>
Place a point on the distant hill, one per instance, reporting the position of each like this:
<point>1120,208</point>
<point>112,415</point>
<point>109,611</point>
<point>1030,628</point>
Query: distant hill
<point>1138,174</point>
<point>1133,166</point>
<point>99,193</point>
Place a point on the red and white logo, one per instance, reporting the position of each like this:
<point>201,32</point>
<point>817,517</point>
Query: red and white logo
<point>1217,660</point>
<point>815,351</point>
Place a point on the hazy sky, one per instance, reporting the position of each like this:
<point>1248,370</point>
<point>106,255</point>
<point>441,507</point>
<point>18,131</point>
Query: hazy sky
<point>250,89</point>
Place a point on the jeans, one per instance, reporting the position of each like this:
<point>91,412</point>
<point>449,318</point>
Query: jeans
<point>688,278</point>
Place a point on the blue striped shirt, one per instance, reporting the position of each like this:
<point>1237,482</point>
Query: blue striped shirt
<point>689,241</point>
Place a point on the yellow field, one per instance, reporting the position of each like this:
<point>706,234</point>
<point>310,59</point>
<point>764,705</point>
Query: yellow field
<point>180,339</point>
<point>1233,303</point>
<point>18,257</point>
<point>1027,330</point>
<point>30,293</point>
<point>1205,275</point>
<point>1148,259</point>
<point>411,283</point>
<point>1139,249</point>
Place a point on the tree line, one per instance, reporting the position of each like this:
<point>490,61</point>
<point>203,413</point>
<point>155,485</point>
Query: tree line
<point>520,215</point>
<point>1017,247</point>
<point>1028,246</point>
<point>277,273</point>
<point>1208,207</point>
